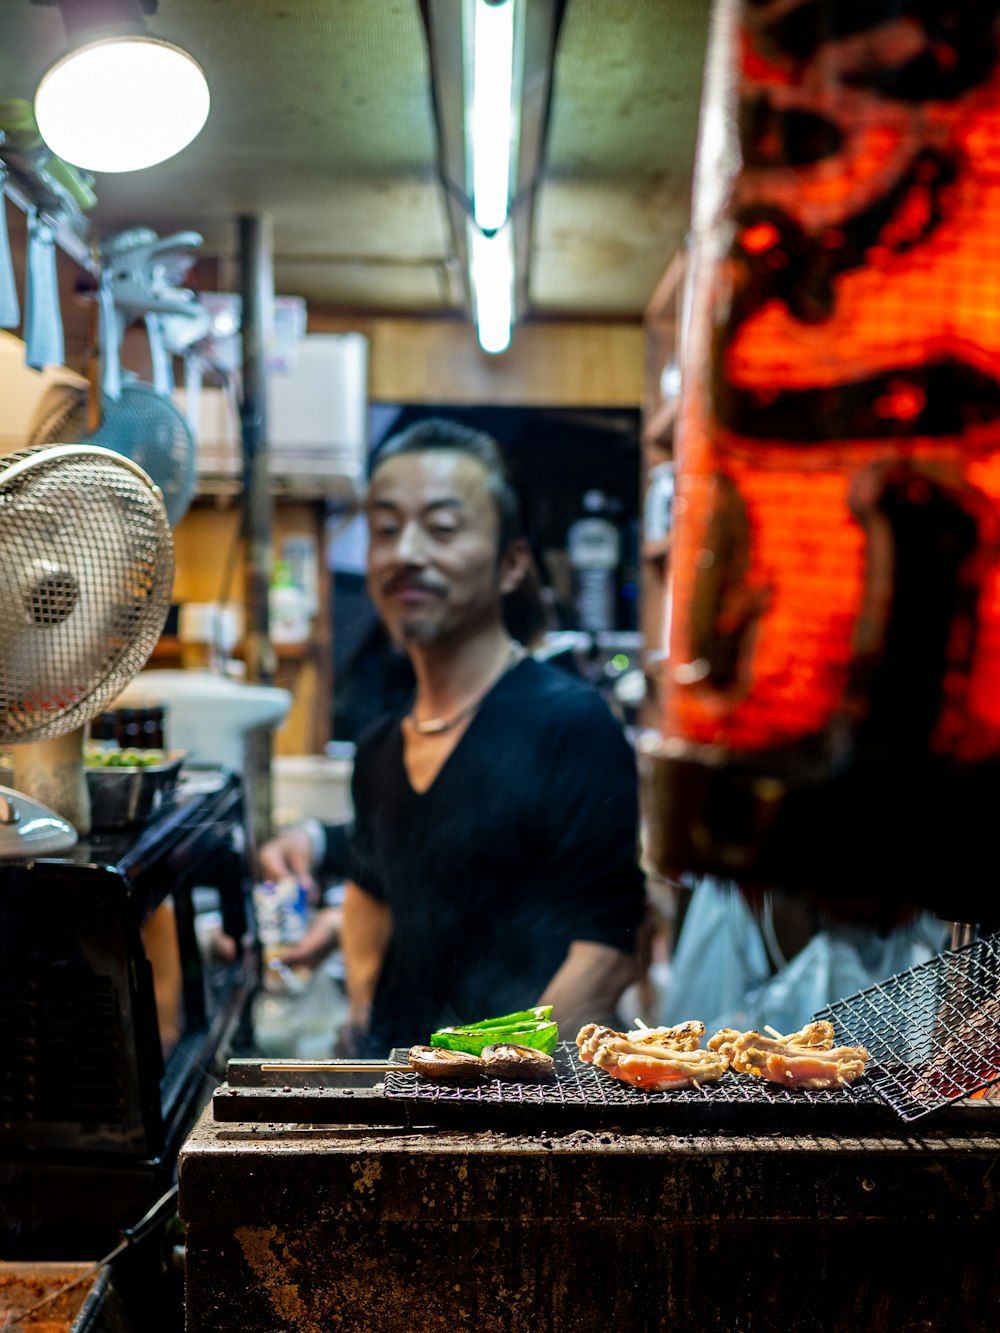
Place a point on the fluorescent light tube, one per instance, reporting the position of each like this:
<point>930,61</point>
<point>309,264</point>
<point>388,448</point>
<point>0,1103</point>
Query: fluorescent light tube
<point>492,273</point>
<point>492,123</point>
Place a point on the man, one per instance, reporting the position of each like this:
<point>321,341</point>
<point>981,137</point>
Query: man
<point>493,856</point>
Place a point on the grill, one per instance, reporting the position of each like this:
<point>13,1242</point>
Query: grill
<point>65,1059</point>
<point>933,1031</point>
<point>580,1097</point>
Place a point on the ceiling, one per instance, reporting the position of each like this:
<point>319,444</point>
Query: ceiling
<point>327,121</point>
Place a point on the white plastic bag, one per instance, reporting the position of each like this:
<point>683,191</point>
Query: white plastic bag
<point>827,969</point>
<point>718,961</point>
<point>838,961</point>
<point>722,972</point>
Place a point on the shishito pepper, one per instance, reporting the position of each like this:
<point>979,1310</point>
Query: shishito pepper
<point>527,1027</point>
<point>540,1013</point>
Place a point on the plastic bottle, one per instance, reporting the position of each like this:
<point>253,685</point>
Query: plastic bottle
<point>594,550</point>
<point>287,610</point>
<point>103,732</point>
<point>129,729</point>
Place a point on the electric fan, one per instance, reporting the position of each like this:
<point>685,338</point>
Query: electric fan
<point>86,572</point>
<point>136,419</point>
<point>140,424</point>
<point>149,429</point>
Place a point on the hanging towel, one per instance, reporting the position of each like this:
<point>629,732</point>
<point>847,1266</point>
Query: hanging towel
<point>162,362</point>
<point>193,375</point>
<point>43,332</point>
<point>109,337</point>
<point>10,308</point>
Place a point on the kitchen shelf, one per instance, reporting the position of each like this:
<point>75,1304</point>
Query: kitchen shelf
<point>170,646</point>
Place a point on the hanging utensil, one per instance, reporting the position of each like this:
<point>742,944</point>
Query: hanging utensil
<point>194,369</point>
<point>160,358</point>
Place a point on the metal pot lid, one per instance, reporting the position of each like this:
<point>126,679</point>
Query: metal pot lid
<point>28,828</point>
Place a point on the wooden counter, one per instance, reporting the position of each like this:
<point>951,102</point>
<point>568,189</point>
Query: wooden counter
<point>312,1229</point>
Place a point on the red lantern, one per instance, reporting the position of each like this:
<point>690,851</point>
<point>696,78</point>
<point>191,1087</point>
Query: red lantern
<point>832,703</point>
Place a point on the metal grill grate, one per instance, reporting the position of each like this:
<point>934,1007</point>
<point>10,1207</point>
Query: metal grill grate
<point>585,1086</point>
<point>933,1031</point>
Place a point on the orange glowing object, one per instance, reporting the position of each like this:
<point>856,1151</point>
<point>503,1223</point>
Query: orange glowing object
<point>835,599</point>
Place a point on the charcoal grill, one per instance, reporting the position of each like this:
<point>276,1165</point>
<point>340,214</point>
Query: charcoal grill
<point>579,1097</point>
<point>933,1034</point>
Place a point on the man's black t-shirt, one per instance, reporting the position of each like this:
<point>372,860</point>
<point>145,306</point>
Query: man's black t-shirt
<point>525,842</point>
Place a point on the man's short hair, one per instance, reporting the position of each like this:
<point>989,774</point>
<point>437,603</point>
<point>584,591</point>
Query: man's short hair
<point>440,433</point>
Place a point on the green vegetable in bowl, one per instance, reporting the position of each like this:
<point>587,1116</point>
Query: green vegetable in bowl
<point>129,757</point>
<point>527,1027</point>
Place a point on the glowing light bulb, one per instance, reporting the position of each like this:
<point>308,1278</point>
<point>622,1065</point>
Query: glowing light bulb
<point>122,104</point>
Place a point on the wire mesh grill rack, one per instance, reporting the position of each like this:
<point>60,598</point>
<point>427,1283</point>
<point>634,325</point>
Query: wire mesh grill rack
<point>933,1032</point>
<point>583,1094</point>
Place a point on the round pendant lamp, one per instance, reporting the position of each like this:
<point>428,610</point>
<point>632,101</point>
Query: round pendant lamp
<point>121,103</point>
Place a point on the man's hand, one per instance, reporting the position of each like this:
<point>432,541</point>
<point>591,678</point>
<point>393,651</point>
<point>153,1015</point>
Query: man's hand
<point>321,938</point>
<point>288,855</point>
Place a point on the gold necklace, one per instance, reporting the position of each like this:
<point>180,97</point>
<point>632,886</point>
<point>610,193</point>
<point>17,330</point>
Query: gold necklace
<point>437,726</point>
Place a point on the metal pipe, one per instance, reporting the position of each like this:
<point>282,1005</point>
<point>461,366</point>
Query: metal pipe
<point>257,294</point>
<point>963,933</point>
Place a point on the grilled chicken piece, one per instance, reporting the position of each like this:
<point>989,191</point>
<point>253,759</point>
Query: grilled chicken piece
<point>649,1058</point>
<point>517,1063</point>
<point>659,1068</point>
<point>723,1041</point>
<point>684,1037</point>
<point>446,1066</point>
<point>795,1066</point>
<point>814,1036</point>
<point>590,1037</point>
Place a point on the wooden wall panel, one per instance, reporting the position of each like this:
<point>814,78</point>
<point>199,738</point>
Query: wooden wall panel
<point>547,365</point>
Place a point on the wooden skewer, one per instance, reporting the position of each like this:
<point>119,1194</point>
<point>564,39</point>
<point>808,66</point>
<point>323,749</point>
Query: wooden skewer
<point>332,1066</point>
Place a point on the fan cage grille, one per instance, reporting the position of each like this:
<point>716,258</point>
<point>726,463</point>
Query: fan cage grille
<point>86,573</point>
<point>141,424</point>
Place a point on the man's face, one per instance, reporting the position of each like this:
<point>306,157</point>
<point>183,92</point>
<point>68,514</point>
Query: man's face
<point>433,567</point>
